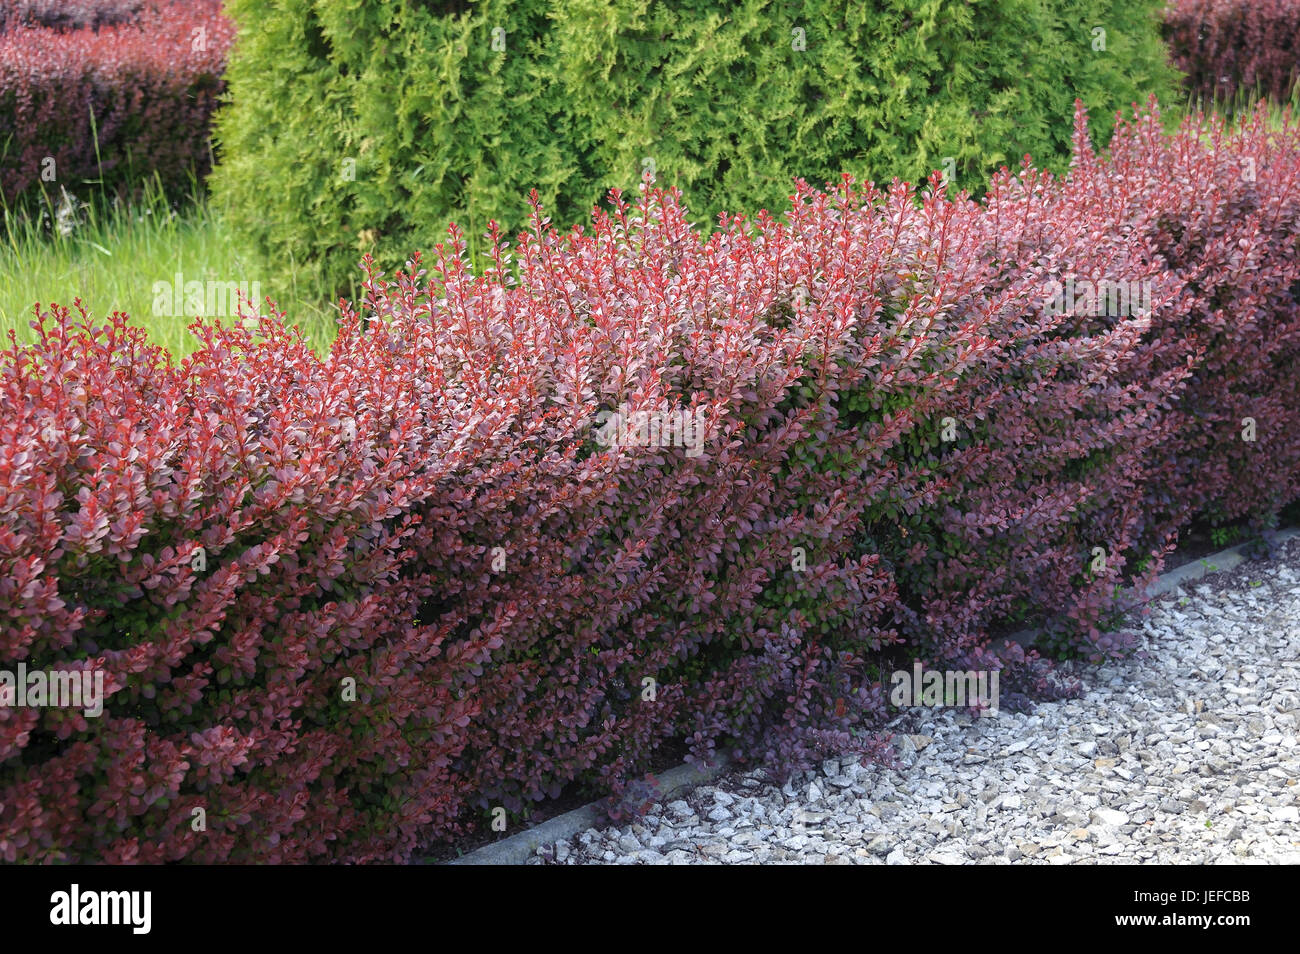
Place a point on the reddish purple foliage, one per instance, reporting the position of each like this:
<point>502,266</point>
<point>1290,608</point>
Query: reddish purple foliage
<point>427,509</point>
<point>1227,47</point>
<point>150,85</point>
<point>68,14</point>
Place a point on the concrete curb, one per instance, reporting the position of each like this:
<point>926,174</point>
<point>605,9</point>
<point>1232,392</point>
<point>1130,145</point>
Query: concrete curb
<point>516,849</point>
<point>1168,582</point>
<point>1215,563</point>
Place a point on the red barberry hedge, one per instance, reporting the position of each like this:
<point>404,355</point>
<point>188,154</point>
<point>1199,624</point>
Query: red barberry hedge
<point>347,602</point>
<point>1230,48</point>
<point>88,96</point>
<point>68,14</point>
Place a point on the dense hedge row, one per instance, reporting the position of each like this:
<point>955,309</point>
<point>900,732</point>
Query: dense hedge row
<point>1235,48</point>
<point>68,14</point>
<point>88,95</point>
<point>345,602</point>
<point>367,128</point>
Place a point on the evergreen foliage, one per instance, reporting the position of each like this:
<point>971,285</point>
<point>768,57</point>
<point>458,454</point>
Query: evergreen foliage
<point>367,127</point>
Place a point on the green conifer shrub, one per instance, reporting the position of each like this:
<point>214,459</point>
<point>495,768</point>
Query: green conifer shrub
<point>367,127</point>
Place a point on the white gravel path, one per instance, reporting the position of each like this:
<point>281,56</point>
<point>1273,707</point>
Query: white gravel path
<point>1188,757</point>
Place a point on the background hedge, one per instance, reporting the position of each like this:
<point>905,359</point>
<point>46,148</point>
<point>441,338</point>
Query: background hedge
<point>720,99</point>
<point>68,14</point>
<point>1231,49</point>
<point>108,94</point>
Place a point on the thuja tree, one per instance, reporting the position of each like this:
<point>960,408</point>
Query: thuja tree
<point>360,128</point>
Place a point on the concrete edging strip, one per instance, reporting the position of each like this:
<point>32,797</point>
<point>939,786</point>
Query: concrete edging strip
<point>516,849</point>
<point>1168,582</point>
<point>1215,563</point>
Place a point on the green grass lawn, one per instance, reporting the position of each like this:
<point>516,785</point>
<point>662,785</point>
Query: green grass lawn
<point>111,255</point>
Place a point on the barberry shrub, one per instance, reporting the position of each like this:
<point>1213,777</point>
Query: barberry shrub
<point>358,128</point>
<point>347,604</point>
<point>1230,49</point>
<point>68,14</point>
<point>105,96</point>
